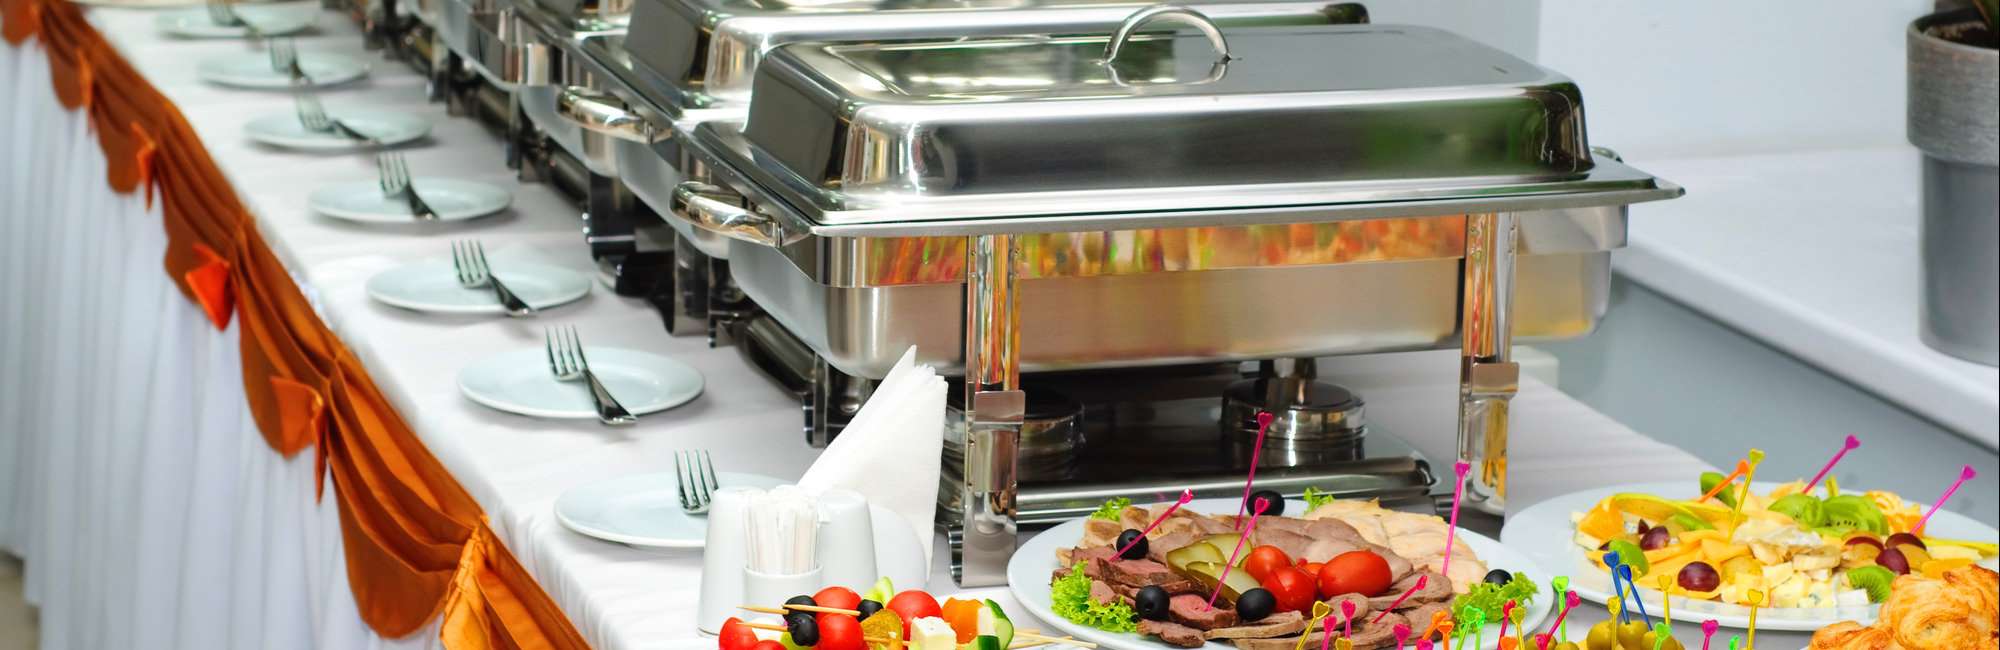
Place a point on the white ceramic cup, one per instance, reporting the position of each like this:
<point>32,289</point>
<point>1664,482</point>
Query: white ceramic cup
<point>772,590</point>
<point>722,558</point>
<point>846,541</point>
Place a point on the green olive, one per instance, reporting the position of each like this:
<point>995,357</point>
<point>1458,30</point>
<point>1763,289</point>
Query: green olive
<point>1601,637</point>
<point>1670,644</point>
<point>1631,636</point>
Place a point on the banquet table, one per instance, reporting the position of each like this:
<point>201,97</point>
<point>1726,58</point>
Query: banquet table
<point>151,514</point>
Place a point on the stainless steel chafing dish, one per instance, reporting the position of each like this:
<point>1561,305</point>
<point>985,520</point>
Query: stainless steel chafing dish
<point>1101,201</point>
<point>682,62</point>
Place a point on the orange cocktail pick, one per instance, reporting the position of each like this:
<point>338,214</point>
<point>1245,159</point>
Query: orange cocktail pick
<point>1742,467</point>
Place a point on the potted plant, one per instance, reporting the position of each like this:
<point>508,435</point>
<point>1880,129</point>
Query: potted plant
<point>1952,119</point>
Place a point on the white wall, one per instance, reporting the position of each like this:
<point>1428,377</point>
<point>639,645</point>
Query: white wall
<point>1692,78</point>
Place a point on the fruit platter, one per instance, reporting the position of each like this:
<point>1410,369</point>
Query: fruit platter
<point>1778,554</point>
<point>1199,575</point>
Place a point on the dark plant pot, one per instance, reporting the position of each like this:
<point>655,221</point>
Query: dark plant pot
<point>1954,120</point>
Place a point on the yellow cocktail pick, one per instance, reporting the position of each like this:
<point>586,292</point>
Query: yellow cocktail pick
<point>1736,511</point>
<point>1666,583</point>
<point>1320,611</point>
<point>1756,598</point>
<point>1614,605</point>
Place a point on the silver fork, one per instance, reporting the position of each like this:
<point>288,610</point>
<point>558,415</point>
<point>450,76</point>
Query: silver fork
<point>312,115</point>
<point>567,363</point>
<point>694,472</point>
<point>224,15</point>
<point>285,59</point>
<point>394,174</point>
<point>468,258</point>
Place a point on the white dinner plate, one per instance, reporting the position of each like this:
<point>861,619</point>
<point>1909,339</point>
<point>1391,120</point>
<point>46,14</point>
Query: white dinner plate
<point>253,70</point>
<point>644,510</point>
<point>270,20</point>
<point>1544,532</point>
<point>519,382</point>
<point>432,286</point>
<point>391,129</point>
<point>1029,570</point>
<point>453,200</point>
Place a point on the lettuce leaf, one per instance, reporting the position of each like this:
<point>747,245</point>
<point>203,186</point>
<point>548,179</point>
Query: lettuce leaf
<point>1070,596</point>
<point>1111,509</point>
<point>1491,598</point>
<point>1315,498</point>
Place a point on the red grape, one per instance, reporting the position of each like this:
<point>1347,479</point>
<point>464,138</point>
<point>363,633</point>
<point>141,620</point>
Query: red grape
<point>1900,539</point>
<point>1699,576</point>
<point>1893,560</point>
<point>1864,539</point>
<point>1656,538</point>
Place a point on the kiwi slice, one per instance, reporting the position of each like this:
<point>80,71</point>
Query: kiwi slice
<point>1853,511</point>
<point>1711,479</point>
<point>1873,579</point>
<point>1805,509</point>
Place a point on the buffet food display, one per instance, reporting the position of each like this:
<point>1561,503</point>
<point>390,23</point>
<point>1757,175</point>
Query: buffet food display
<point>828,185</point>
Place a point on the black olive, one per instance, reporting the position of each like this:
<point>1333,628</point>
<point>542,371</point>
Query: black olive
<point>803,628</point>
<point>1254,605</point>
<point>1151,603</point>
<point>867,608</point>
<point>1274,505</point>
<point>1137,540</point>
<point>803,600</point>
<point>1499,576</point>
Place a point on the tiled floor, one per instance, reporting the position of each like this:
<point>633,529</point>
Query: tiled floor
<point>17,621</point>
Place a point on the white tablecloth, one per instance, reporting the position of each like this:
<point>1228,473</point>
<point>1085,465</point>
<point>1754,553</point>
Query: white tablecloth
<point>153,515</point>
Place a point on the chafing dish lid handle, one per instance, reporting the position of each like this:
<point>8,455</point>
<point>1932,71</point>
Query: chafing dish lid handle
<point>1167,12</point>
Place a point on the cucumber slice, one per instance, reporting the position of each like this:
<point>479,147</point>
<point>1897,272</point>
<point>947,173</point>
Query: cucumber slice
<point>993,621</point>
<point>984,642</point>
<point>881,592</point>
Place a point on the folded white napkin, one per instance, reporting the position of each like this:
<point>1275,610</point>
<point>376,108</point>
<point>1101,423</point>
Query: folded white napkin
<point>890,452</point>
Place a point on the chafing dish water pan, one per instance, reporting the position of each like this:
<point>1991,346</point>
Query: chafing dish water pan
<point>1134,199</point>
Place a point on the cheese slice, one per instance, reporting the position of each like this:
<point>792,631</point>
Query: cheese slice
<point>932,633</point>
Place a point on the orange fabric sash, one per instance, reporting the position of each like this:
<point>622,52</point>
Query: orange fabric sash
<point>417,545</point>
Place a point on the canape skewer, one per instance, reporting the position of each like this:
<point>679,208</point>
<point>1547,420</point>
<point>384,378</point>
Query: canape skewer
<point>1020,634</point>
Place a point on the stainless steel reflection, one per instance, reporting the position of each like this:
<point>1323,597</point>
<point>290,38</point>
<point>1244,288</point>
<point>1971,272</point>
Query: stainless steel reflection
<point>1169,318</point>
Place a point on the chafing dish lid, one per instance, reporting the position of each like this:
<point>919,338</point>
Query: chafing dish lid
<point>703,53</point>
<point>1299,116</point>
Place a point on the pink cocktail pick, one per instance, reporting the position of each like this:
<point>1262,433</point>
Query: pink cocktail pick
<point>1708,632</point>
<point>1506,610</point>
<point>1186,496</point>
<point>1326,633</point>
<point>1457,494</point>
<point>1541,642</point>
<point>1263,425</point>
<point>1258,509</point>
<point>1963,476</point>
<point>1424,644</point>
<point>1570,601</point>
<point>1347,618</point>
<point>1850,445</point>
<point>1421,580</point>
<point>1402,633</point>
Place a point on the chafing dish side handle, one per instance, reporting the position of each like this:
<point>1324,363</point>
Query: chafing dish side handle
<point>721,211</point>
<point>602,113</point>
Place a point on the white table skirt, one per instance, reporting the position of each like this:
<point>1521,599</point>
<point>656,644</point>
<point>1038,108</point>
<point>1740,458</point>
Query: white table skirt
<point>150,511</point>
<point>136,529</point>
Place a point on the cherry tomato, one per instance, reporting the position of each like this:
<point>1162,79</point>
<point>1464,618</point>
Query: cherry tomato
<point>963,617</point>
<point>838,598</point>
<point>736,636</point>
<point>912,605</point>
<point>1263,559</point>
<point>768,645</point>
<point>1354,572</point>
<point>1311,568</point>
<point>1292,588</point>
<point>839,632</point>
